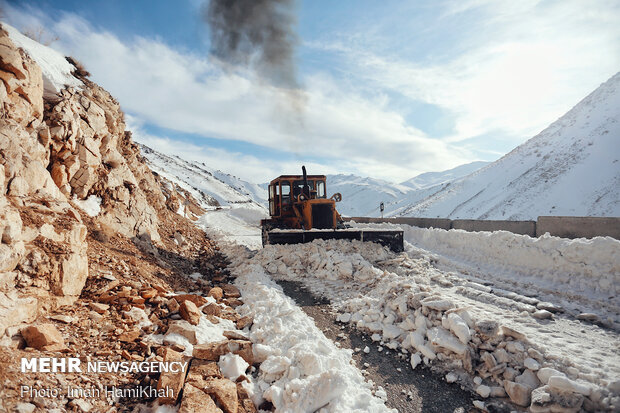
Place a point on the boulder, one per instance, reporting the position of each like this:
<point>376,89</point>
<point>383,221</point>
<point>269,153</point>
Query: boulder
<point>189,312</point>
<point>197,401</point>
<point>43,337</point>
<point>183,328</point>
<point>168,380</point>
<point>98,307</point>
<point>217,293</point>
<point>198,300</point>
<point>225,393</point>
<point>213,351</point>
<point>230,291</point>
<point>212,309</point>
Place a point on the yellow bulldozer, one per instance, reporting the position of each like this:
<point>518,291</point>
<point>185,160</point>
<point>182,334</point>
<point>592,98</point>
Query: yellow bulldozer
<point>301,212</point>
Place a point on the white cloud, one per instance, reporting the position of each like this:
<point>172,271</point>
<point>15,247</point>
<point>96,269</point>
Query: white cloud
<point>521,66</point>
<point>187,92</point>
<point>248,167</point>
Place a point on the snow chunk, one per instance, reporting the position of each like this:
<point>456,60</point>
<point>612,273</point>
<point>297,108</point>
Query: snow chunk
<point>232,366</point>
<point>440,337</point>
<point>415,360</point>
<point>565,384</point>
<point>459,327</point>
<point>90,205</point>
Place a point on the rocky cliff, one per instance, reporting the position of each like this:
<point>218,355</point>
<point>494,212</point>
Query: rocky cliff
<point>57,149</point>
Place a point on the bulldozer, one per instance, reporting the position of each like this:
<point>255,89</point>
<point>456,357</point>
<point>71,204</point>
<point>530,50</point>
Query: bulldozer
<point>300,212</point>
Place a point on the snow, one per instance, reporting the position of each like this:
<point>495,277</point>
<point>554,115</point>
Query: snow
<point>302,370</point>
<point>232,366</point>
<point>55,68</point>
<point>579,275</point>
<point>234,207</point>
<point>429,179</point>
<point>210,187</point>
<point>90,205</point>
<point>571,168</point>
<point>392,297</point>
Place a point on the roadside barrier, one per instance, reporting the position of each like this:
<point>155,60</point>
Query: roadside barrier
<point>565,227</point>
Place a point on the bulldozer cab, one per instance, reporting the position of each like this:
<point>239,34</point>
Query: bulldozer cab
<point>286,190</point>
<point>301,212</point>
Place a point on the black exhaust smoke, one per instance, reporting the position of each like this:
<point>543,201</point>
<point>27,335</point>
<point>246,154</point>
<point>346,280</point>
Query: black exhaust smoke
<point>258,34</point>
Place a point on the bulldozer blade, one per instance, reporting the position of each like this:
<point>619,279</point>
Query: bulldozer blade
<point>393,239</point>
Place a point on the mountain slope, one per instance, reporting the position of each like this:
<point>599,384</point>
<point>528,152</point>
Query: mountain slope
<point>211,188</point>
<point>570,168</point>
<point>362,196</point>
<point>428,179</point>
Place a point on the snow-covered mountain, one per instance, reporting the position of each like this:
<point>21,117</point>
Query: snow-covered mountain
<point>361,196</point>
<point>212,188</point>
<point>571,168</point>
<point>429,179</point>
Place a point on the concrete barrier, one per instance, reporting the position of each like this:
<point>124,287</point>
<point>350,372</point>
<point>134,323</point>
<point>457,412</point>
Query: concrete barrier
<point>565,227</point>
<point>516,227</point>
<point>579,227</point>
<point>441,223</point>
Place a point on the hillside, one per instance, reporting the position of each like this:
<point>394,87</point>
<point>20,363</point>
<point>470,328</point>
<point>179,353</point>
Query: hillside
<point>571,168</point>
<point>428,179</point>
<point>235,207</point>
<point>213,188</point>
<point>361,196</point>
<point>93,248</point>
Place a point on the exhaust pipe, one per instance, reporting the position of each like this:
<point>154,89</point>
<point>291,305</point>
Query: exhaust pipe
<point>306,189</point>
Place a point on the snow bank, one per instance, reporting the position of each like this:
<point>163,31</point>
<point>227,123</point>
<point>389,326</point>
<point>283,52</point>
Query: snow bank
<point>589,267</point>
<point>438,317</point>
<point>55,68</point>
<point>301,370</point>
<point>584,274</point>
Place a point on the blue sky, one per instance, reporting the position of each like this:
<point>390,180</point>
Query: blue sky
<point>391,89</point>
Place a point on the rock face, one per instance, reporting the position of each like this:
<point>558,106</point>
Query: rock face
<point>56,150</point>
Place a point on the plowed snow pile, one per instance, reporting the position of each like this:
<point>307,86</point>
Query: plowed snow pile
<point>301,369</point>
<point>499,342</point>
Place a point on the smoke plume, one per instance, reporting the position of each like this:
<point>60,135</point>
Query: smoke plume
<point>258,34</point>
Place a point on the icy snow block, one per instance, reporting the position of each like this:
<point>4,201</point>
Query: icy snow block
<point>440,337</point>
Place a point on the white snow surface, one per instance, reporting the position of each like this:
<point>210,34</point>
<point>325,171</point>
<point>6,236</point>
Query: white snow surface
<point>210,187</point>
<point>429,179</point>
<point>580,275</point>
<point>55,68</point>
<point>234,207</point>
<point>90,205</point>
<point>301,369</point>
<point>571,168</point>
<point>385,294</point>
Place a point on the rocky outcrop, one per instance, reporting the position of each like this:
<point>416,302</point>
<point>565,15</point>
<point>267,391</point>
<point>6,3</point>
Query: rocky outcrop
<point>91,154</point>
<point>56,150</point>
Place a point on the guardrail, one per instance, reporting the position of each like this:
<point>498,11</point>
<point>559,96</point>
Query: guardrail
<point>565,227</point>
